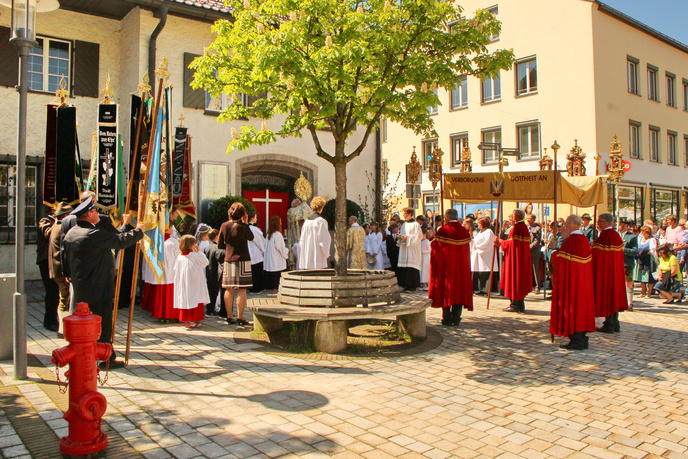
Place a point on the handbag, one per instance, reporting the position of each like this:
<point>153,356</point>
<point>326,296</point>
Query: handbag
<point>667,281</point>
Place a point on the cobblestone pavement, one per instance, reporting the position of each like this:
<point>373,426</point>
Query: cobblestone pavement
<point>494,387</point>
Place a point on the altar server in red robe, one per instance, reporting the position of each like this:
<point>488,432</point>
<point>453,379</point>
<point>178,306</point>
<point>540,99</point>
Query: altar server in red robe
<point>609,275</point>
<point>158,295</point>
<point>451,280</point>
<point>517,273</point>
<point>573,307</point>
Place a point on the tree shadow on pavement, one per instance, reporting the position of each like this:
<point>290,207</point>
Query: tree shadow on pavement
<point>517,352</point>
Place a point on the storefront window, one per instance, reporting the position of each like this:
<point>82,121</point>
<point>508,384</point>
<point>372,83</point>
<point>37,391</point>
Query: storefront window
<point>630,202</point>
<point>664,203</point>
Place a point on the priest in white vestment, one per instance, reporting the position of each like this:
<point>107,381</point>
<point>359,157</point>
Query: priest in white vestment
<point>314,244</point>
<point>481,255</point>
<point>410,256</point>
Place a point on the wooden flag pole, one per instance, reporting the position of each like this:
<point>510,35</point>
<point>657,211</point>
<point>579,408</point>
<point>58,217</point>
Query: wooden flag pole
<point>143,201</point>
<point>494,252</point>
<point>139,124</point>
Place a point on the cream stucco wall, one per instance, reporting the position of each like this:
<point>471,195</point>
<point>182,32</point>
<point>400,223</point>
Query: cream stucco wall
<point>559,35</point>
<point>615,106</point>
<point>124,54</point>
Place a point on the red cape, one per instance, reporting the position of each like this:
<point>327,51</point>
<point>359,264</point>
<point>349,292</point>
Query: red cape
<point>451,279</point>
<point>609,274</point>
<point>517,272</point>
<point>573,305</point>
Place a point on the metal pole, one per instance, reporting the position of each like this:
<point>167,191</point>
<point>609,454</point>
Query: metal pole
<point>19,298</point>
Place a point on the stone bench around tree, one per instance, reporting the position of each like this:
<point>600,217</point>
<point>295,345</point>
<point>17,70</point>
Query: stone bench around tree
<point>331,324</point>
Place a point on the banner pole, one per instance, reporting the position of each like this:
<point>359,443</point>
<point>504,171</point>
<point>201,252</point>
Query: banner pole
<point>139,124</point>
<point>494,252</point>
<point>143,201</point>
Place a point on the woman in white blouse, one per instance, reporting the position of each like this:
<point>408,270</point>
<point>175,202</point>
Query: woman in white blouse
<point>483,250</point>
<point>276,254</point>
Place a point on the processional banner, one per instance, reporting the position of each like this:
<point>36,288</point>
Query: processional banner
<point>107,158</point>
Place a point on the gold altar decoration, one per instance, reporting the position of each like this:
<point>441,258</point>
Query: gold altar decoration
<point>616,164</point>
<point>575,164</point>
<point>466,166</point>
<point>303,189</point>
<point>546,162</point>
<point>413,168</point>
<point>435,166</point>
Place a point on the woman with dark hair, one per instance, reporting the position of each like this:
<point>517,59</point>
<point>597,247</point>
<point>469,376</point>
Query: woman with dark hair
<point>645,261</point>
<point>234,237</point>
<point>669,277</point>
<point>276,254</point>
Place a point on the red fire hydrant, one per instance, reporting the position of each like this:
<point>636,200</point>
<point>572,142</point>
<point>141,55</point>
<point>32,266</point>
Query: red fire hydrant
<point>86,405</point>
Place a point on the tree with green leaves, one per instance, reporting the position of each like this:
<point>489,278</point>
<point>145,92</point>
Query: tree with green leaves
<point>327,67</point>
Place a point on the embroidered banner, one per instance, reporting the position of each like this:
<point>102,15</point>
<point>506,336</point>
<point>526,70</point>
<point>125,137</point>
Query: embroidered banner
<point>106,177</point>
<point>67,182</point>
<point>138,151</point>
<point>179,156</point>
<point>50,171</point>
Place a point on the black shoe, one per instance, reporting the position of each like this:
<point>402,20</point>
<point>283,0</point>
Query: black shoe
<point>587,343</point>
<point>242,322</point>
<point>617,329</point>
<point>447,322</point>
<point>231,321</point>
<point>210,314</point>
<point>571,346</point>
<point>60,336</point>
<point>605,330</point>
<point>512,308</point>
<point>52,327</point>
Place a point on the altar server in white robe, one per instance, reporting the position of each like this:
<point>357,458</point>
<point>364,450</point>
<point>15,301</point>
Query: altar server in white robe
<point>410,256</point>
<point>190,286</point>
<point>481,255</point>
<point>276,254</point>
<point>314,244</point>
<point>373,248</point>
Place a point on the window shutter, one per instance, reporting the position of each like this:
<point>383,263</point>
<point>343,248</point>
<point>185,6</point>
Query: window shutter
<point>9,71</point>
<point>193,98</point>
<point>86,69</point>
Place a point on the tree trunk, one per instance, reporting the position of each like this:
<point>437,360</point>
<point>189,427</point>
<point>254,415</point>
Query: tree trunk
<point>340,209</point>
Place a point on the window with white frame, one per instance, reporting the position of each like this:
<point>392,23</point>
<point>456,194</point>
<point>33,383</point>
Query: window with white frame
<point>654,144</point>
<point>685,95</point>
<point>529,140</point>
<point>632,75</point>
<point>491,89</point>
<point>49,62</point>
<point>217,104</point>
<point>457,144</point>
<point>492,135</point>
<point>652,83</point>
<point>526,76</point>
<point>634,139</point>
<point>434,108</point>
<point>671,89</point>
<point>672,158</point>
<point>459,95</point>
<point>8,193</point>
<point>495,11</point>
<point>685,150</point>
<point>428,145</point>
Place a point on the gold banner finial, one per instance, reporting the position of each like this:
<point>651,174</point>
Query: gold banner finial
<point>435,166</point>
<point>303,189</point>
<point>413,168</point>
<point>106,92</point>
<point>616,166</point>
<point>181,120</point>
<point>161,72</point>
<point>62,93</point>
<point>144,87</point>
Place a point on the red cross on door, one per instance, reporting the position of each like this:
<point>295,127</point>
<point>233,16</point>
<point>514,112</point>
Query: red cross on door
<point>269,203</point>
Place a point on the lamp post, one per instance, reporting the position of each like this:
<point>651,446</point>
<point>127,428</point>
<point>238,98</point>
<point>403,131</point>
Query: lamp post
<point>23,35</point>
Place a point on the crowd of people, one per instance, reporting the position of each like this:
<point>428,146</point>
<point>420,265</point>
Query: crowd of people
<point>209,270</point>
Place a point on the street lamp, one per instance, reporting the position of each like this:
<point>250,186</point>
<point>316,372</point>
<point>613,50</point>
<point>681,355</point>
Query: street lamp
<point>23,35</point>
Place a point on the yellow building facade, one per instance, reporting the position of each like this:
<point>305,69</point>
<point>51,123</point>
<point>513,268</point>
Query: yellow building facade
<point>584,72</point>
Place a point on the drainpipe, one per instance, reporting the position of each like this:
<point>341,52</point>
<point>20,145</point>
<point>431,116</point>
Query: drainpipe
<point>152,44</point>
<point>378,178</point>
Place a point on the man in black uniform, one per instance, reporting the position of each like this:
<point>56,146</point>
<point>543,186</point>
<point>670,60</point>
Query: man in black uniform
<point>52,295</point>
<point>89,264</point>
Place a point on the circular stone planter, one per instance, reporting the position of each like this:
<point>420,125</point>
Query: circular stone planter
<point>323,288</point>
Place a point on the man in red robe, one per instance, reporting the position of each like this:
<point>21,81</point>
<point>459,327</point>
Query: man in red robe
<point>451,279</point>
<point>609,275</point>
<point>517,274</point>
<point>573,310</point>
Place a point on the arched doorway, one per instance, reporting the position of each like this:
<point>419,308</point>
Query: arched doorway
<point>268,182</point>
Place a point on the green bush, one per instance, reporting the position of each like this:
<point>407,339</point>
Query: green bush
<point>217,212</point>
<point>351,209</point>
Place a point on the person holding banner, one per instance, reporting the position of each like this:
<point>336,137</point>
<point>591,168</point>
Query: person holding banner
<point>451,281</point>
<point>573,310</point>
<point>517,271</point>
<point>89,265</point>
<point>609,274</point>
